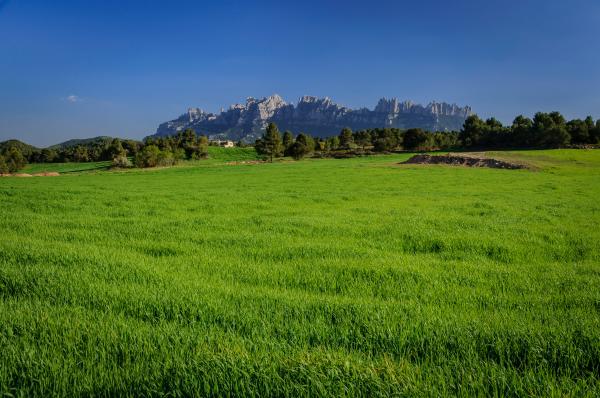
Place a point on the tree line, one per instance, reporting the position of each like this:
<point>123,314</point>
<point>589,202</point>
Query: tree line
<point>273,144</point>
<point>545,130</point>
<point>95,151</point>
<point>14,154</point>
<point>154,151</point>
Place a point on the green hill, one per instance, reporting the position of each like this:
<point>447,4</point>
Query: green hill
<point>103,139</point>
<point>25,149</point>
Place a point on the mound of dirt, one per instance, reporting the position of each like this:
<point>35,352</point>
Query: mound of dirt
<point>469,161</point>
<point>22,175</point>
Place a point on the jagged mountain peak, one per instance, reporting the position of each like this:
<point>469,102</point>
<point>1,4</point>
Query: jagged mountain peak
<point>272,99</point>
<point>310,99</point>
<point>319,116</point>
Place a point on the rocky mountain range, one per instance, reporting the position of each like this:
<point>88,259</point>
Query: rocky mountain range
<point>316,116</point>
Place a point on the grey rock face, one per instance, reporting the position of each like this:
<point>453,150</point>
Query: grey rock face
<point>317,116</point>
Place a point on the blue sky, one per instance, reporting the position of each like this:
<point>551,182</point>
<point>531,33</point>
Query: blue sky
<point>73,69</point>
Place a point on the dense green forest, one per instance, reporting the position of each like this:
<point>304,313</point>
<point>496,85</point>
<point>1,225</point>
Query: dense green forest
<point>545,130</point>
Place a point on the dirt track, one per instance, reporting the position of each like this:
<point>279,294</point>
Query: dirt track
<point>21,175</point>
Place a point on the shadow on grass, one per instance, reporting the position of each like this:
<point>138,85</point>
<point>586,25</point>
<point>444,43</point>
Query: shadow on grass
<point>84,169</point>
<point>67,168</point>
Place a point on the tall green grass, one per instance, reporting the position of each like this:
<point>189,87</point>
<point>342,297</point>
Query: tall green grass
<point>320,277</point>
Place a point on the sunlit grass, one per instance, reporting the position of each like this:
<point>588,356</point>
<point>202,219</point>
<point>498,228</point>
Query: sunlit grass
<point>320,277</point>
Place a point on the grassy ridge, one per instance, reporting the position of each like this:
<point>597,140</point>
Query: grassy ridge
<point>322,277</point>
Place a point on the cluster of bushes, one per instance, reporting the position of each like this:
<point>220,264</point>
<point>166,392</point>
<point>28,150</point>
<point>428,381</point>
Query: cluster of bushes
<point>546,130</point>
<point>166,151</point>
<point>11,160</point>
<point>272,144</point>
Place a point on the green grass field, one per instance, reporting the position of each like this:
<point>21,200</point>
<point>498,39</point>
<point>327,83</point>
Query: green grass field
<point>66,167</point>
<point>312,278</point>
<point>219,154</point>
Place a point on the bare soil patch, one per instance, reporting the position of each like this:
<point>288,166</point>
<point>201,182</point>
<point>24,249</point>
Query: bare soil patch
<point>21,175</point>
<point>234,163</point>
<point>463,160</point>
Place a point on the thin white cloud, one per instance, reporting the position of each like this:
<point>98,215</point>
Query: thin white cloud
<point>73,98</point>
